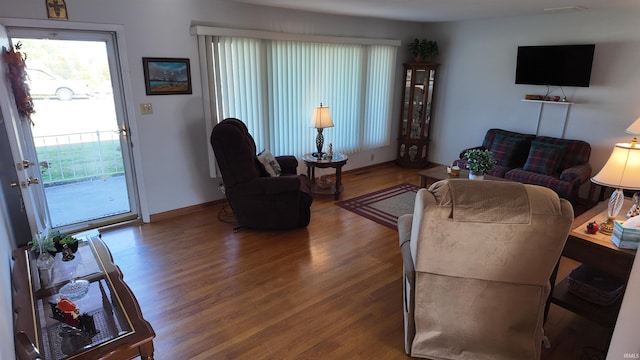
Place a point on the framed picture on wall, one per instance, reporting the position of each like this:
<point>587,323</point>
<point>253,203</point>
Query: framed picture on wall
<point>166,76</point>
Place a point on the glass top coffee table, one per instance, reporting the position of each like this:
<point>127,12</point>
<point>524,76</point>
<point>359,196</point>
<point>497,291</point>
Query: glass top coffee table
<point>110,324</point>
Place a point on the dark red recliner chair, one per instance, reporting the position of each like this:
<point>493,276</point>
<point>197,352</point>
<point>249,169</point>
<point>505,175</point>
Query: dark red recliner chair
<point>258,200</point>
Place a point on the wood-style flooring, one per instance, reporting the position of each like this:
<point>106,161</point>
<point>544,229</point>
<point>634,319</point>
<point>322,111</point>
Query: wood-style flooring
<point>330,291</point>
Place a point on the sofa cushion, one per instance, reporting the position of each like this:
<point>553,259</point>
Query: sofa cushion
<point>491,134</point>
<point>577,152</point>
<point>509,151</point>
<point>543,159</point>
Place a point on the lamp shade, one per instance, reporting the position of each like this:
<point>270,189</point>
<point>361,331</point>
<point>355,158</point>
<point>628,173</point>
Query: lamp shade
<point>634,129</point>
<point>321,118</point>
<point>622,170</point>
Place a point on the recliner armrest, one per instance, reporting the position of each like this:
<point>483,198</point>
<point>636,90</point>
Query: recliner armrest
<point>577,175</point>
<point>408,280</point>
<point>405,239</point>
<point>288,164</point>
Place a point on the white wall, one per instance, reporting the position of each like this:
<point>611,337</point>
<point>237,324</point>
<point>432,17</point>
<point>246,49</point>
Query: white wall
<point>172,141</point>
<point>478,80</point>
<point>476,87</point>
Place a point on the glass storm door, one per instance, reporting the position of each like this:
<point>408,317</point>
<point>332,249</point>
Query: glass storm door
<point>79,129</point>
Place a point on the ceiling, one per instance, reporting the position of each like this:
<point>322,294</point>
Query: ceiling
<point>445,10</point>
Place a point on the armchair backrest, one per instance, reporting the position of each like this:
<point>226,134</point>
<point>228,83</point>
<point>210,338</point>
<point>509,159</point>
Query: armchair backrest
<point>483,254</point>
<point>235,152</point>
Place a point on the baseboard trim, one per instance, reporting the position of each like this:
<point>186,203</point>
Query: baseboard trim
<point>194,208</point>
<point>183,211</point>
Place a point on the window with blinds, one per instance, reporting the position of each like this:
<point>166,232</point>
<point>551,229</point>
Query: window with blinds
<point>273,85</point>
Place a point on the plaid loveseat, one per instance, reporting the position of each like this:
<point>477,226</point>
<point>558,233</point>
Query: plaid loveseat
<point>559,164</point>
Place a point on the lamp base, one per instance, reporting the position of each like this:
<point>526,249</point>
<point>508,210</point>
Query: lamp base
<point>318,155</point>
<point>607,227</point>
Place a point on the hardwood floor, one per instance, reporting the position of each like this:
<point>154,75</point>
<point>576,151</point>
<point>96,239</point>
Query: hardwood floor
<point>330,291</point>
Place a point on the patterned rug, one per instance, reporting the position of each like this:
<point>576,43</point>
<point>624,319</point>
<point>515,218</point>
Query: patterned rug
<point>384,206</point>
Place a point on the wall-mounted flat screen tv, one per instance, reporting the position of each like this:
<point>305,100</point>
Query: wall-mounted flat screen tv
<point>561,65</point>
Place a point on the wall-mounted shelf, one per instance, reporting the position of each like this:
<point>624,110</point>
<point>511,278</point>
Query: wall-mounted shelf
<point>542,103</point>
<point>549,102</point>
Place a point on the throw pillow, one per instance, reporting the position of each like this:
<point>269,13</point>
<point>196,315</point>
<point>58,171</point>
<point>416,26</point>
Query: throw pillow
<point>561,148</point>
<point>505,150</point>
<point>543,159</point>
<point>270,163</point>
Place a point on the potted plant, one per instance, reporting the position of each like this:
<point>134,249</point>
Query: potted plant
<point>479,162</point>
<point>424,50</point>
<point>42,244</point>
<point>46,251</point>
<point>61,239</point>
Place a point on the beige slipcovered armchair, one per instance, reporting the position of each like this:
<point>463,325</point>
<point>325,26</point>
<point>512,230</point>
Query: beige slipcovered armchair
<point>477,258</point>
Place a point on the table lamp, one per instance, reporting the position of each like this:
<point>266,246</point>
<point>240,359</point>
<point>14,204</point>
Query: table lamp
<point>320,119</point>
<point>634,129</point>
<point>622,171</point>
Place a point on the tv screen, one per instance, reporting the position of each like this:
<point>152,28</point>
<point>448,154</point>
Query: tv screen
<point>561,65</point>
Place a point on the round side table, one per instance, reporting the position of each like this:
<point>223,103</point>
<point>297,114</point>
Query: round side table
<point>336,162</point>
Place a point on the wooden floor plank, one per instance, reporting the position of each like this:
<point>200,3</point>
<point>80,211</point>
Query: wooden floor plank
<point>330,291</point>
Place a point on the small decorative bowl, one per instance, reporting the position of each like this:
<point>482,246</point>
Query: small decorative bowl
<point>324,183</point>
<point>74,289</point>
<point>453,171</point>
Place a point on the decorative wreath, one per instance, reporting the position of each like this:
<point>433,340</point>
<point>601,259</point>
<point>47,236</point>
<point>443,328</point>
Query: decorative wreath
<point>18,77</point>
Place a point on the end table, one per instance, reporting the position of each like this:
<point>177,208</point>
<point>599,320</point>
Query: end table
<point>336,162</point>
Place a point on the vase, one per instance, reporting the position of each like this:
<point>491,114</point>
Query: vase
<point>476,175</point>
<point>44,263</point>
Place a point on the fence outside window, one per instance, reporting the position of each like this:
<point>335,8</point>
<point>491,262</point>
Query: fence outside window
<point>78,157</point>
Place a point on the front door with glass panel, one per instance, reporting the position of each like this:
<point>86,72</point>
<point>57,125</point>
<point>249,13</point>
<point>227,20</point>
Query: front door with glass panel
<point>79,127</point>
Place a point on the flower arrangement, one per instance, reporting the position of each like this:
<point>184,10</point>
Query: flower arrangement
<point>479,161</point>
<point>18,77</point>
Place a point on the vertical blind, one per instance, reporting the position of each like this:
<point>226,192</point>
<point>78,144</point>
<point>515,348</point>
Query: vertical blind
<point>273,85</point>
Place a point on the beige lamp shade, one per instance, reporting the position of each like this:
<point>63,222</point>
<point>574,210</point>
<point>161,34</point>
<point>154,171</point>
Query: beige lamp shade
<point>321,118</point>
<point>634,129</point>
<point>622,170</point>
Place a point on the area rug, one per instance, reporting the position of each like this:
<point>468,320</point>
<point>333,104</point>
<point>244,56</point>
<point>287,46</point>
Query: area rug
<point>384,206</point>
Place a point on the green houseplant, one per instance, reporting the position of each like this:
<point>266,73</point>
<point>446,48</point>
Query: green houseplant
<point>60,239</point>
<point>423,50</point>
<point>42,244</point>
<point>479,162</point>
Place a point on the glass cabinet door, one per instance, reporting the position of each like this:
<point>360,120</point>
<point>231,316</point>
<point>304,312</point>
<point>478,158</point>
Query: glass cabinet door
<point>416,114</point>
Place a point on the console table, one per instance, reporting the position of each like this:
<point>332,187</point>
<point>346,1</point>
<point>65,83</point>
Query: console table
<point>122,332</point>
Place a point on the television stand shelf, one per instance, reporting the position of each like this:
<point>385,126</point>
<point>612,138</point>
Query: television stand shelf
<point>549,102</point>
<point>542,103</point>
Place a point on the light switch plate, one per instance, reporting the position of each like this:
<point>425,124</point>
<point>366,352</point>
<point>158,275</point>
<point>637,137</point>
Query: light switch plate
<point>146,109</point>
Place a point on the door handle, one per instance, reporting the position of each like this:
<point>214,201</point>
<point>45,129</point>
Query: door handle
<point>24,184</point>
<point>24,164</point>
